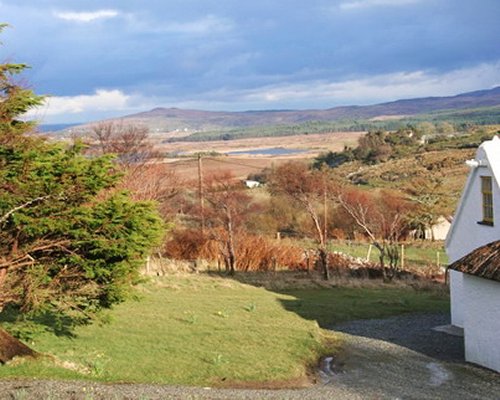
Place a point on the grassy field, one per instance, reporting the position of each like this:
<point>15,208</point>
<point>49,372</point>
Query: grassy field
<point>417,254</point>
<point>210,330</point>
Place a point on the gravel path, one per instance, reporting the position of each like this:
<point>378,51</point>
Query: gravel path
<point>403,358</point>
<point>394,358</point>
<point>413,332</point>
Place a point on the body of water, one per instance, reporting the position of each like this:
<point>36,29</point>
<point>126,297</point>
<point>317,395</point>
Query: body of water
<point>54,127</point>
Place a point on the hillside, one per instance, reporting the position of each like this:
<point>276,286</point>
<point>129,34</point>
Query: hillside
<point>436,168</point>
<point>196,119</point>
<point>444,167</point>
<point>208,124</point>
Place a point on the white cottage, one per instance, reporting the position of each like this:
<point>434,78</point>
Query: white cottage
<point>438,231</point>
<point>475,224</point>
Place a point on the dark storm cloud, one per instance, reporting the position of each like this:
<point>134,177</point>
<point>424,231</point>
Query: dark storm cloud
<point>260,54</point>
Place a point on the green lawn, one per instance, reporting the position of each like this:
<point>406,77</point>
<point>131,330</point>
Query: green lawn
<point>205,330</point>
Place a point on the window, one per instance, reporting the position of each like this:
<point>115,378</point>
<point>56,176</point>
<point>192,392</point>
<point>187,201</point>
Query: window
<point>487,192</point>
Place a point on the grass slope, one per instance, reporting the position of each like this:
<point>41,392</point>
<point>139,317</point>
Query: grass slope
<point>202,330</point>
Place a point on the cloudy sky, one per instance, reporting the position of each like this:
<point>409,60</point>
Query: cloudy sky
<point>103,58</point>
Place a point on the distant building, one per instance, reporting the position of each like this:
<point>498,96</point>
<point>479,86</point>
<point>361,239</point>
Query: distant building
<point>252,184</point>
<point>438,231</point>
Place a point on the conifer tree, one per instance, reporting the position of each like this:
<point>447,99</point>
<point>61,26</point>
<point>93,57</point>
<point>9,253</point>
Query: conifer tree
<point>70,244</point>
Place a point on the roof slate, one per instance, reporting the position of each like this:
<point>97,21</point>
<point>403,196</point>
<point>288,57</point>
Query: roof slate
<point>483,262</point>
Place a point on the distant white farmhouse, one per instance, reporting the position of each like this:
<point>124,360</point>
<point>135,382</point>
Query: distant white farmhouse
<point>252,184</point>
<point>475,297</point>
<point>437,231</point>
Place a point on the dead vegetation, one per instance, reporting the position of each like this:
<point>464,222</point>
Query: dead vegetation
<point>278,265</point>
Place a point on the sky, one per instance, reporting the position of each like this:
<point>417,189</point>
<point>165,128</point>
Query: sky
<point>98,59</point>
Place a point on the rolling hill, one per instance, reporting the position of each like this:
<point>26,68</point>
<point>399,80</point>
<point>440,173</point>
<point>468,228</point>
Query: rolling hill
<point>181,122</point>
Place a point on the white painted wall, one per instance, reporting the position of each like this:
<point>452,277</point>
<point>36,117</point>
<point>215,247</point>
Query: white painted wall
<point>439,231</point>
<point>456,298</point>
<point>482,321</point>
<point>252,184</point>
<point>466,234</point>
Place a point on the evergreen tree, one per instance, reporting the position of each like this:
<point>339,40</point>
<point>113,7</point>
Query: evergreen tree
<point>70,244</point>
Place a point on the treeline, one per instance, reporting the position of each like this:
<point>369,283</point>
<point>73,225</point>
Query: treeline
<point>310,127</point>
<point>230,227</point>
<point>453,120</point>
<point>465,118</point>
<point>306,128</point>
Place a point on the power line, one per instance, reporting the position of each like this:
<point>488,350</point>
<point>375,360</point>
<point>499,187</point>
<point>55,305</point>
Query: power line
<point>201,194</point>
<point>194,160</point>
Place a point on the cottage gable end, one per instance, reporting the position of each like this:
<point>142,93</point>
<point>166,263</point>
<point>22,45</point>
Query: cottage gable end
<point>467,231</point>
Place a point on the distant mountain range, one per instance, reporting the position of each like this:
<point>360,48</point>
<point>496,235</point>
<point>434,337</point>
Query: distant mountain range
<point>180,122</point>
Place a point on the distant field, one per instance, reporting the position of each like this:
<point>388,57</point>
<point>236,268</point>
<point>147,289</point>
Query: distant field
<point>242,165</point>
<point>316,143</point>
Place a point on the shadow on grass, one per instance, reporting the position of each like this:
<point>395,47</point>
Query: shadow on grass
<point>25,327</point>
<point>402,312</point>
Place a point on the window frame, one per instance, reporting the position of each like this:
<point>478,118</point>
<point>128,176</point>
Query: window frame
<point>487,200</point>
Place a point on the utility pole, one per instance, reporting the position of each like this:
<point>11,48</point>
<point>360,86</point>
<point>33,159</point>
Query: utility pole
<point>325,214</point>
<point>324,250</point>
<point>201,195</point>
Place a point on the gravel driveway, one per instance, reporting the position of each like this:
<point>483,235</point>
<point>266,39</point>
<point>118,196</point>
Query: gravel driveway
<point>394,358</point>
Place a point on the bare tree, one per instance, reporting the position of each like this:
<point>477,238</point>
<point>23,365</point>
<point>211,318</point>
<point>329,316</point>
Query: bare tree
<point>156,182</point>
<point>382,217</point>
<point>129,142</point>
<point>144,177</point>
<point>311,190</point>
<point>228,209</point>
<point>103,132</point>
